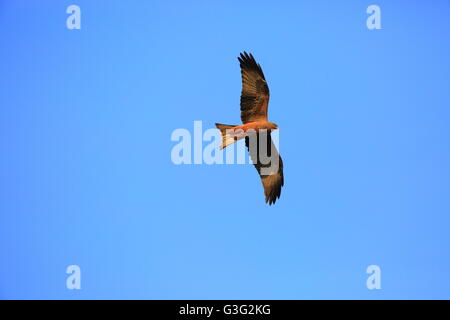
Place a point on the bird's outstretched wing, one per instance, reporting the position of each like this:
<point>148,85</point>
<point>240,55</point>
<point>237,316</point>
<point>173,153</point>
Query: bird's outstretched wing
<point>255,91</point>
<point>270,172</point>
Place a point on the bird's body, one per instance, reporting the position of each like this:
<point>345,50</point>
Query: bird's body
<point>257,125</point>
<point>254,107</point>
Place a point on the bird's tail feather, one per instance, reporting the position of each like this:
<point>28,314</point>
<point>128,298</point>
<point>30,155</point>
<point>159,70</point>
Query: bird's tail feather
<point>227,138</point>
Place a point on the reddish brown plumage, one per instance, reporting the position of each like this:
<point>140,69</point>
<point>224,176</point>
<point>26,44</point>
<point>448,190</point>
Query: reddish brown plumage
<point>254,115</point>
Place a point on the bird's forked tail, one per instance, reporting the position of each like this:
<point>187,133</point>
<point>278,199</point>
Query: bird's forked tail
<point>226,132</point>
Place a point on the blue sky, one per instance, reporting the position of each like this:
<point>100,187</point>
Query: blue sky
<point>86,176</point>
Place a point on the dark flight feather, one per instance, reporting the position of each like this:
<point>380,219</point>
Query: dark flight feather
<point>255,91</point>
<point>273,181</point>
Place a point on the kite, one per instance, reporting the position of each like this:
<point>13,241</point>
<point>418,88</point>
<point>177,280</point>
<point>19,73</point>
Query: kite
<point>256,128</point>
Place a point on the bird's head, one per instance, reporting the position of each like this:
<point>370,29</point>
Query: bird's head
<point>273,126</point>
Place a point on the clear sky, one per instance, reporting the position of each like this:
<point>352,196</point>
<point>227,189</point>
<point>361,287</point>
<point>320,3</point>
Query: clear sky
<point>86,176</point>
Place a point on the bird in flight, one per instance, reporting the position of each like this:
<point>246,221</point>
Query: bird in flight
<point>256,128</point>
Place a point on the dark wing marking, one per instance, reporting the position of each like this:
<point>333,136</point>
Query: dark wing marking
<point>255,91</point>
<point>270,172</point>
